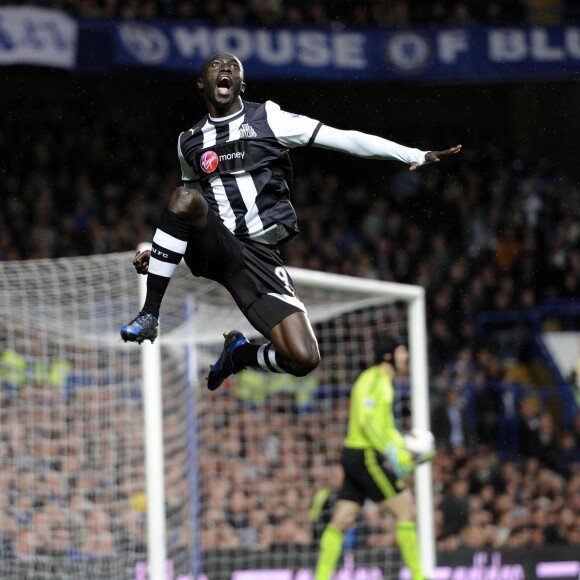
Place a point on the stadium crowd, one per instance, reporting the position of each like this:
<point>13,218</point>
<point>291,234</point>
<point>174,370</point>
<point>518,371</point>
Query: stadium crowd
<point>72,487</point>
<point>480,501</point>
<point>498,231</point>
<point>336,13</point>
<point>479,236</point>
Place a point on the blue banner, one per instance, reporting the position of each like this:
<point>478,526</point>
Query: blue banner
<point>37,36</point>
<point>358,55</point>
<point>315,54</point>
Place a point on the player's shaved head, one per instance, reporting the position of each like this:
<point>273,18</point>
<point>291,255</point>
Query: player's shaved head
<point>222,83</point>
<point>221,56</point>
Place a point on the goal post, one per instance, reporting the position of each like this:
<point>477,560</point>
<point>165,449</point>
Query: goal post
<point>413,297</point>
<point>116,462</point>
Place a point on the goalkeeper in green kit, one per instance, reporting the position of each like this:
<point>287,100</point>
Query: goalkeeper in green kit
<point>375,462</point>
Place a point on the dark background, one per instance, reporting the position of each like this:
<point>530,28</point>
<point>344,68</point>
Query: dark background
<point>542,119</point>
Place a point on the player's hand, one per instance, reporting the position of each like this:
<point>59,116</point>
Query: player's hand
<point>141,261</point>
<point>400,459</point>
<point>420,458</point>
<point>435,156</point>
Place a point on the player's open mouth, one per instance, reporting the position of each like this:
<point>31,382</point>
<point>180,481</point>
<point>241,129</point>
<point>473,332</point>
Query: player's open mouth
<point>224,85</point>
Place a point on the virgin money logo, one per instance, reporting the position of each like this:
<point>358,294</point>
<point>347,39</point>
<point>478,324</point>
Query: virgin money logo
<point>209,161</point>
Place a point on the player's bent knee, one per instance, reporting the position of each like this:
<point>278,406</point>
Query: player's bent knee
<point>402,506</point>
<point>343,519</point>
<point>343,524</point>
<point>306,361</point>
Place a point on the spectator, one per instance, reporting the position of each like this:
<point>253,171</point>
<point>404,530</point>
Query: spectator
<point>450,423</point>
<point>566,456</point>
<point>487,405</point>
<point>547,440</point>
<point>25,545</point>
<point>455,508</point>
<point>237,514</point>
<point>60,545</point>
<point>528,427</point>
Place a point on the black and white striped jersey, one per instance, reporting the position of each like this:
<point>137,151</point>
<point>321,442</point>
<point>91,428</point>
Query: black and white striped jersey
<point>242,166</point>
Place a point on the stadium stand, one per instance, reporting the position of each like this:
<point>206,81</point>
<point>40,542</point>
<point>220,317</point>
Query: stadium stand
<point>321,12</point>
<point>59,203</point>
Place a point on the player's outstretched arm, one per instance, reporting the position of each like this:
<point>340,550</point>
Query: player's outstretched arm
<point>374,147</point>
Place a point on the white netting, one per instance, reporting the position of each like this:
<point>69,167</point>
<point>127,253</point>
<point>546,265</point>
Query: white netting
<point>244,466</point>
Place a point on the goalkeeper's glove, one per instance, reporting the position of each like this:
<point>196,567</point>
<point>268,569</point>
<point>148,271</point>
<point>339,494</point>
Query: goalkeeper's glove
<point>400,459</point>
<point>419,458</point>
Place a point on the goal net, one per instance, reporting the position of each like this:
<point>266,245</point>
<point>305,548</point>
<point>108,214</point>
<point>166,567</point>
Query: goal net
<point>98,440</point>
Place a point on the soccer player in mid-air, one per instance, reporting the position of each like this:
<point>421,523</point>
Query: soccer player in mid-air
<point>375,462</point>
<point>234,210</point>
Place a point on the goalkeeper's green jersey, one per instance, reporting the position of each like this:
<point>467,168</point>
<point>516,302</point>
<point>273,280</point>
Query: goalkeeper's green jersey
<point>371,422</point>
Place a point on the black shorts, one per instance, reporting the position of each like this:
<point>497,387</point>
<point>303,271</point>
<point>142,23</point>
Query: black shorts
<point>367,475</point>
<point>252,272</point>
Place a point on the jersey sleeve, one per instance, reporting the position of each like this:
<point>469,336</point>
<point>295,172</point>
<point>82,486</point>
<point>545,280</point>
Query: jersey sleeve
<point>290,129</point>
<point>365,145</point>
<point>188,174</point>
